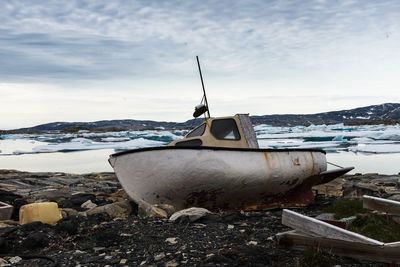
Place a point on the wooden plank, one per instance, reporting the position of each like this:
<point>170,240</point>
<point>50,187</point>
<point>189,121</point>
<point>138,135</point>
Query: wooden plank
<point>299,241</point>
<point>319,228</point>
<point>393,245</point>
<point>5,211</point>
<point>381,204</point>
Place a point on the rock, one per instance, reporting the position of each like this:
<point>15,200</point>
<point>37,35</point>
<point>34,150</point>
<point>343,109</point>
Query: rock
<point>151,211</point>
<point>35,241</point>
<point>114,210</point>
<point>190,214</point>
<point>3,262</point>
<point>171,240</point>
<point>395,197</point>
<point>159,256</point>
<point>171,264</point>
<point>326,216</point>
<point>18,203</point>
<point>56,195</point>
<point>4,246</point>
<point>69,225</point>
<point>34,226</point>
<point>76,200</point>
<point>15,260</point>
<point>252,243</point>
<point>167,208</point>
<point>88,205</point>
<point>69,212</point>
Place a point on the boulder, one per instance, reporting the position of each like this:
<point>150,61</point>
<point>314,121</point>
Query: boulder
<point>88,205</point>
<point>151,211</point>
<point>52,195</point>
<point>169,209</point>
<point>191,214</point>
<point>69,212</point>
<point>114,210</point>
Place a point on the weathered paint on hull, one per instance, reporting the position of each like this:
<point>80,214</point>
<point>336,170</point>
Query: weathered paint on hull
<point>220,179</point>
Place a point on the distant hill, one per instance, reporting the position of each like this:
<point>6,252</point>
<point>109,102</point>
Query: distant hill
<point>383,112</point>
<point>379,113</point>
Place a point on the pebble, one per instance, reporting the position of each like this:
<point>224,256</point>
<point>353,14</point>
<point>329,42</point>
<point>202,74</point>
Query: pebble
<point>100,240</point>
<point>171,240</point>
<point>14,260</point>
<point>88,205</point>
<point>252,243</point>
<point>171,264</point>
<point>159,256</point>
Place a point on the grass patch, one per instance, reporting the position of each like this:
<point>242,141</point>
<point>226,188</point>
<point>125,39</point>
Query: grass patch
<point>381,228</point>
<point>367,223</point>
<point>346,208</point>
<point>316,256</point>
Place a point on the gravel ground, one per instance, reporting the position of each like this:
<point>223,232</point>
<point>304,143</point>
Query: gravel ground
<point>224,239</point>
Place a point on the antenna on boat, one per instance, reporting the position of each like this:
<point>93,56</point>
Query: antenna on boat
<point>200,109</point>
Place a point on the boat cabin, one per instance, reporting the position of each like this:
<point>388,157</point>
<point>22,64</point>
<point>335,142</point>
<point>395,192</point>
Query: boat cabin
<point>234,131</point>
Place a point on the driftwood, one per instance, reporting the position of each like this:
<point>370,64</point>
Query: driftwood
<point>381,204</point>
<point>317,228</point>
<point>301,241</point>
<point>310,232</point>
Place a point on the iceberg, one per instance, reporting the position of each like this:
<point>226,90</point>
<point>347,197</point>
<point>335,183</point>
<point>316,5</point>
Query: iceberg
<point>377,148</point>
<point>80,145</point>
<point>332,138</point>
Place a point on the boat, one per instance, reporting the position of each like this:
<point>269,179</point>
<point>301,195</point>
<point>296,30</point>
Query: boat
<point>219,166</point>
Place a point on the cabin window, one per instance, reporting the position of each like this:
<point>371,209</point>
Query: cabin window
<point>194,142</point>
<point>225,129</point>
<point>199,131</point>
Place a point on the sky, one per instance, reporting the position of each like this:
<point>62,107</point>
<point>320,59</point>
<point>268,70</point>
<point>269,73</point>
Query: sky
<point>103,60</point>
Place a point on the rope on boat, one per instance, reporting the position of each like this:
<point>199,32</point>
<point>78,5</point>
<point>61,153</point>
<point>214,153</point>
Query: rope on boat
<point>334,165</point>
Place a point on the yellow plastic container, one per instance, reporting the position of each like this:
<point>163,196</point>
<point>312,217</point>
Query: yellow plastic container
<point>45,212</point>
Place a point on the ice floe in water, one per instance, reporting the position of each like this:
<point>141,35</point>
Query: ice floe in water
<point>85,144</point>
<point>332,138</point>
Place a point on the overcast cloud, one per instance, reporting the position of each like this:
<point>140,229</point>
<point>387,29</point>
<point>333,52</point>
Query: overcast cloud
<point>80,61</point>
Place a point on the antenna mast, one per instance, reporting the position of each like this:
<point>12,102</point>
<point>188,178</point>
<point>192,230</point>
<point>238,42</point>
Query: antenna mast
<point>204,90</point>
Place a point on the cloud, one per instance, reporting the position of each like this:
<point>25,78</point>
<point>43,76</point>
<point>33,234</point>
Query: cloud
<point>129,38</point>
<point>253,47</point>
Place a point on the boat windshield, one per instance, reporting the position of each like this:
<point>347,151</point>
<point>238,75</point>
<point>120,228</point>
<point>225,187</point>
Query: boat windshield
<point>225,129</point>
<point>199,131</point>
<point>194,142</point>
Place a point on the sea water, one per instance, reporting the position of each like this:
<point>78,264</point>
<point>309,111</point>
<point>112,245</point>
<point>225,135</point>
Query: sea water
<point>372,148</point>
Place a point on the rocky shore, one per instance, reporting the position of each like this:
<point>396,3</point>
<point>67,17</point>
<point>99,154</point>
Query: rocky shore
<point>101,226</point>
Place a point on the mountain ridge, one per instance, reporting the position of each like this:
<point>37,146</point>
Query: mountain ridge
<point>386,111</point>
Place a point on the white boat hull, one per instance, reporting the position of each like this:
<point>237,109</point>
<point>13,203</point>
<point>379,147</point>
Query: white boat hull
<point>219,178</point>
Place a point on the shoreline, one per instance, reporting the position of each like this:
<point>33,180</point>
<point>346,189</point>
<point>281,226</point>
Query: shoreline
<point>100,239</point>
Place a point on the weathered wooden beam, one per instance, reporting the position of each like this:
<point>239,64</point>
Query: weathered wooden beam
<point>381,204</point>
<point>372,252</point>
<point>319,228</point>
<point>5,211</point>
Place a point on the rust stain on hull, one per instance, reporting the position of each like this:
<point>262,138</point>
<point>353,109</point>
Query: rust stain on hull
<point>215,200</point>
<point>313,163</point>
<point>267,160</point>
